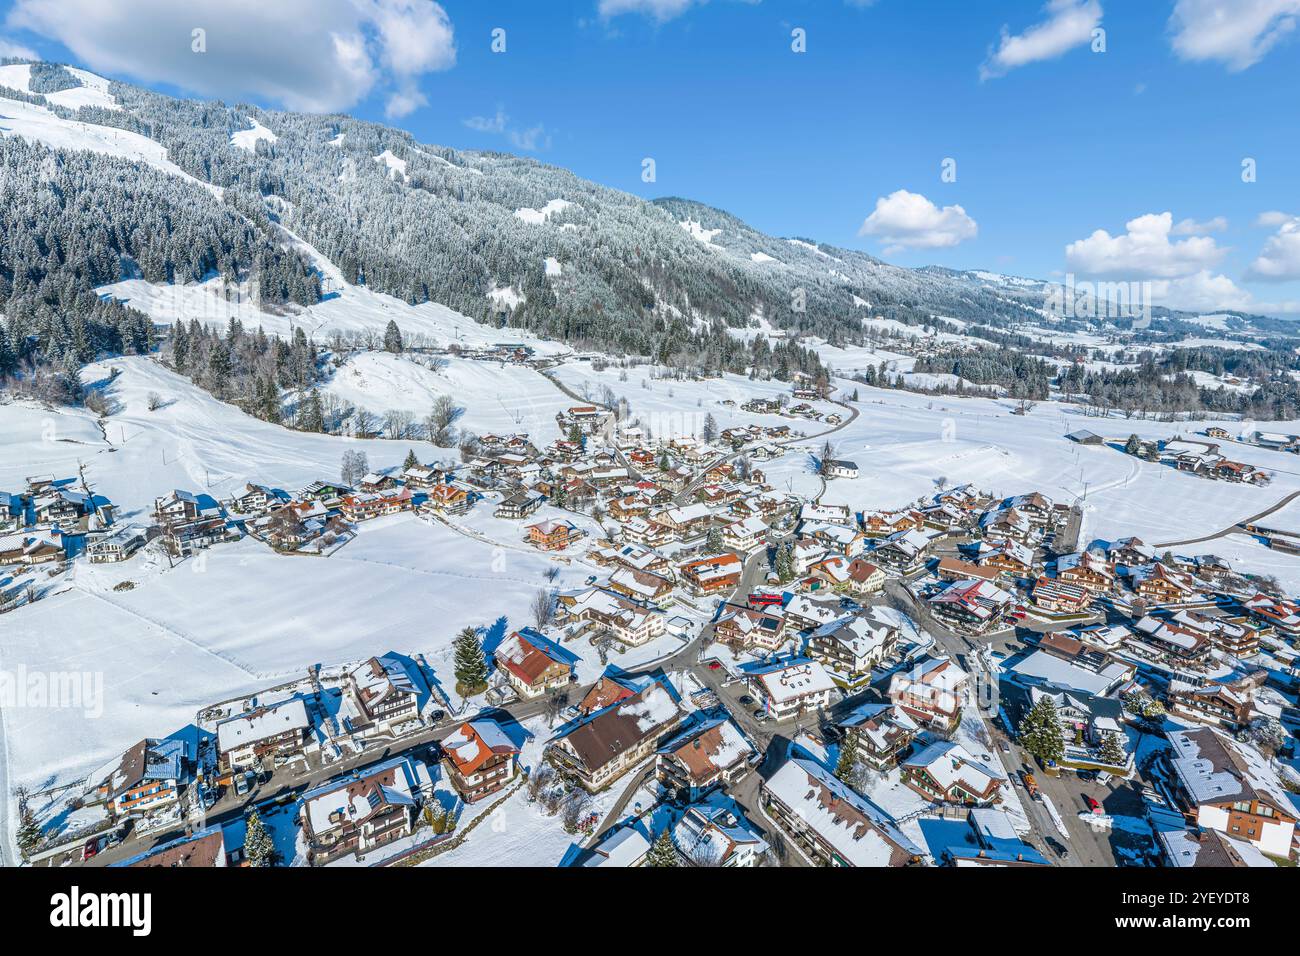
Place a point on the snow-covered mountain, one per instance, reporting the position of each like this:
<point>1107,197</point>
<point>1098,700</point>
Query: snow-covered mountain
<point>106,182</point>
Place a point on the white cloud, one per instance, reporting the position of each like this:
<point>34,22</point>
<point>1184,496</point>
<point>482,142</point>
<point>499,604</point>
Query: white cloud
<point>1206,292</point>
<point>10,48</point>
<point>533,139</point>
<point>1238,33</point>
<point>1201,291</point>
<point>314,55</point>
<point>1191,227</point>
<point>907,220</point>
<point>661,10</point>
<point>1143,251</point>
<point>1273,218</point>
<point>1280,258</point>
<point>1069,24</point>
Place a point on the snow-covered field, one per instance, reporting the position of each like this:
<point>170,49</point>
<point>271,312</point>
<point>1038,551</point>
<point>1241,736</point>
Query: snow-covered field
<point>498,398</point>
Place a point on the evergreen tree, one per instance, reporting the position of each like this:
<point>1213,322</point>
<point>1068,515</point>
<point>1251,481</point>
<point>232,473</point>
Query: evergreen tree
<point>714,543</point>
<point>845,768</point>
<point>784,564</point>
<point>313,415</point>
<point>710,430</point>
<point>393,338</point>
<point>471,666</point>
<point>1040,732</point>
<point>662,852</point>
<point>1132,446</point>
<point>29,831</point>
<point>1112,751</point>
<point>411,461</point>
<point>258,846</point>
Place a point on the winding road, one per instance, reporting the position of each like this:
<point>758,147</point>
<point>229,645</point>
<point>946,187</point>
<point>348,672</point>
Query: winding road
<point>1239,526</point>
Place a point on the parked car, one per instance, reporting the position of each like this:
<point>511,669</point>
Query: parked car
<point>745,700</point>
<point>760,714</point>
<point>437,715</point>
<point>1104,778</point>
<point>1093,805</point>
<point>90,849</point>
<point>714,665</point>
<point>1031,785</point>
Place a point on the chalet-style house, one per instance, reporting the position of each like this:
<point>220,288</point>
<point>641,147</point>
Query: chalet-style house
<point>947,773</point>
<point>150,775</point>
<point>446,500</point>
<point>832,824</point>
<point>599,748</point>
<point>1054,596</point>
<point>118,545</point>
<point>882,733</point>
<point>388,692</point>
<point>882,524</point>
<point>746,534</point>
<point>931,692</point>
<point>603,609</point>
<point>709,754</point>
<point>716,572</point>
<point>740,626</point>
<point>533,664</point>
<point>553,534</point>
<point>275,732</point>
<point>1229,705</point>
<point>955,569</point>
<point>1275,612</point>
<point>1087,569</point>
<point>518,504</point>
<point>716,833</point>
<point>1008,524</point>
<point>1173,642</point>
<point>802,613</point>
<point>632,556</point>
<point>972,605</point>
<point>790,688</point>
<point>1086,721</point>
<point>479,758</point>
<point>192,522</point>
<point>33,547</point>
<point>902,553</point>
<point>357,813</point>
<point>255,500</point>
<point>641,585</point>
<point>1158,584</point>
<point>850,647</point>
<point>1228,786</point>
<point>375,504</point>
<point>1011,558</point>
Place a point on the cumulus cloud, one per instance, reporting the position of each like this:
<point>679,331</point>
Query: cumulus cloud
<point>1144,251</point>
<point>907,220</point>
<point>1237,33</point>
<point>313,55</point>
<point>532,139</point>
<point>1280,258</point>
<point>1202,291</point>
<point>1273,218</point>
<point>1068,24</point>
<point>1191,227</point>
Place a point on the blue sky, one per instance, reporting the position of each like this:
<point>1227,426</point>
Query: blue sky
<point>1052,141</point>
